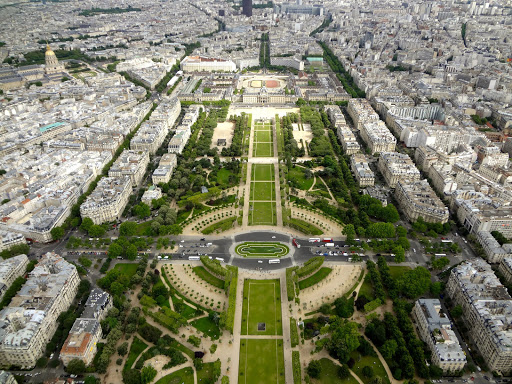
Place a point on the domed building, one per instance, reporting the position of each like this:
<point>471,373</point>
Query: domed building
<point>52,64</point>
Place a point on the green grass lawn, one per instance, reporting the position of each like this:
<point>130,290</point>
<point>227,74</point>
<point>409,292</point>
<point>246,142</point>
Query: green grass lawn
<point>329,374</point>
<point>321,274</point>
<point>262,172</point>
<point>183,376</point>
<point>262,249</point>
<point>223,176</point>
<point>261,362</point>
<point>262,136</point>
<point>262,304</point>
<point>263,213</point>
<point>396,271</point>
<point>361,361</point>
<point>297,177</point>
<point>208,277</point>
<point>135,350</point>
<point>207,326</point>
<point>263,149</point>
<point>263,190</point>
<point>127,269</point>
<point>206,373</point>
<point>366,288</point>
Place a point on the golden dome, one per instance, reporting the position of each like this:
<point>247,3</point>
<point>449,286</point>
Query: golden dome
<point>49,51</point>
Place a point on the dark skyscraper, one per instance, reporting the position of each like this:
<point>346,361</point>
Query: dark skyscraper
<point>247,7</point>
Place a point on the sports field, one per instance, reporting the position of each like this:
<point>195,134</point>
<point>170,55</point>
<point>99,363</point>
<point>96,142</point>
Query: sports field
<point>263,145</point>
<point>261,308</point>
<point>261,362</point>
<point>262,196</point>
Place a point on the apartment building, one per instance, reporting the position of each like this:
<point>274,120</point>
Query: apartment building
<point>149,137</point>
<point>396,166</point>
<point>206,64</point>
<point>83,337</point>
<point>494,251</point>
<point>108,200</point>
<point>487,310</point>
<point>9,239</point>
<point>417,199</point>
<point>435,329</point>
<point>348,140</point>
<point>364,175</point>
<point>7,378</point>
<point>153,193</point>
<point>132,164</point>
<point>505,268</point>
<point>10,270</point>
<point>178,141</point>
<point>377,137</point>
<point>30,320</point>
<point>361,112</point>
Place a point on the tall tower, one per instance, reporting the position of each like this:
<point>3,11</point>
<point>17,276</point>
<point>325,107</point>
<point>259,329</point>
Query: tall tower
<point>52,64</point>
<point>247,7</point>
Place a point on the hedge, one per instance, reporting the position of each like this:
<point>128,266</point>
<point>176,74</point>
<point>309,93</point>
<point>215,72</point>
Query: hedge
<point>291,279</point>
<point>214,267</point>
<point>294,333</point>
<point>297,375</point>
<point>310,266</point>
<point>230,315</point>
<point>167,318</point>
<point>372,305</point>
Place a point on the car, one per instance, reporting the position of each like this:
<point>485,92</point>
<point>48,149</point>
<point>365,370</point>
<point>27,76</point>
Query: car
<point>260,261</point>
<point>182,241</point>
<point>203,239</point>
<point>273,237</point>
<point>378,254</point>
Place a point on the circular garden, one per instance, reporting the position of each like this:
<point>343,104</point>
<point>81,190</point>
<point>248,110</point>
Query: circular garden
<point>262,249</point>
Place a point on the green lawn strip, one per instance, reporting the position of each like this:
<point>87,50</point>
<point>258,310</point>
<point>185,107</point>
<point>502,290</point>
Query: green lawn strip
<point>219,226</point>
<point>208,277</point>
<point>183,376</point>
<point>262,172</point>
<point>329,374</point>
<point>205,373</point>
<point>315,279</point>
<point>127,269</point>
<point>396,271</point>
<point>263,137</point>
<point>262,249</point>
<point>135,350</point>
<point>263,150</point>
<point>371,361</point>
<point>261,304</point>
<point>263,190</point>
<point>367,289</point>
<point>294,332</point>
<point>263,213</point>
<point>298,178</point>
<point>280,139</point>
<point>297,372</point>
<point>261,362</point>
<point>207,326</point>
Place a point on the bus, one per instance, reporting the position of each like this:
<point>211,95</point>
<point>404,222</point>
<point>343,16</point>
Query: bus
<point>193,257</point>
<point>314,240</point>
<point>294,241</point>
<point>446,241</point>
<point>328,240</point>
<point>440,254</point>
<point>220,259</point>
<point>274,261</point>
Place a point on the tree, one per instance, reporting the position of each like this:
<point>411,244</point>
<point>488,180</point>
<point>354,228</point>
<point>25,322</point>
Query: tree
<point>344,307</point>
<point>147,374</point>
<point>388,349</point>
<point>87,223</point>
<point>76,367</point>
<point>57,233</point>
<point>128,228</point>
<point>436,288</point>
<point>96,231</point>
<point>368,371</point>
<point>399,254</point>
<point>141,210</point>
<point>314,368</point>
<point>414,283</point>
<point>344,339</point>
<point>440,263</point>
<point>343,372</point>
<point>122,349</point>
<point>114,250</point>
<point>456,311</point>
<point>131,252</point>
